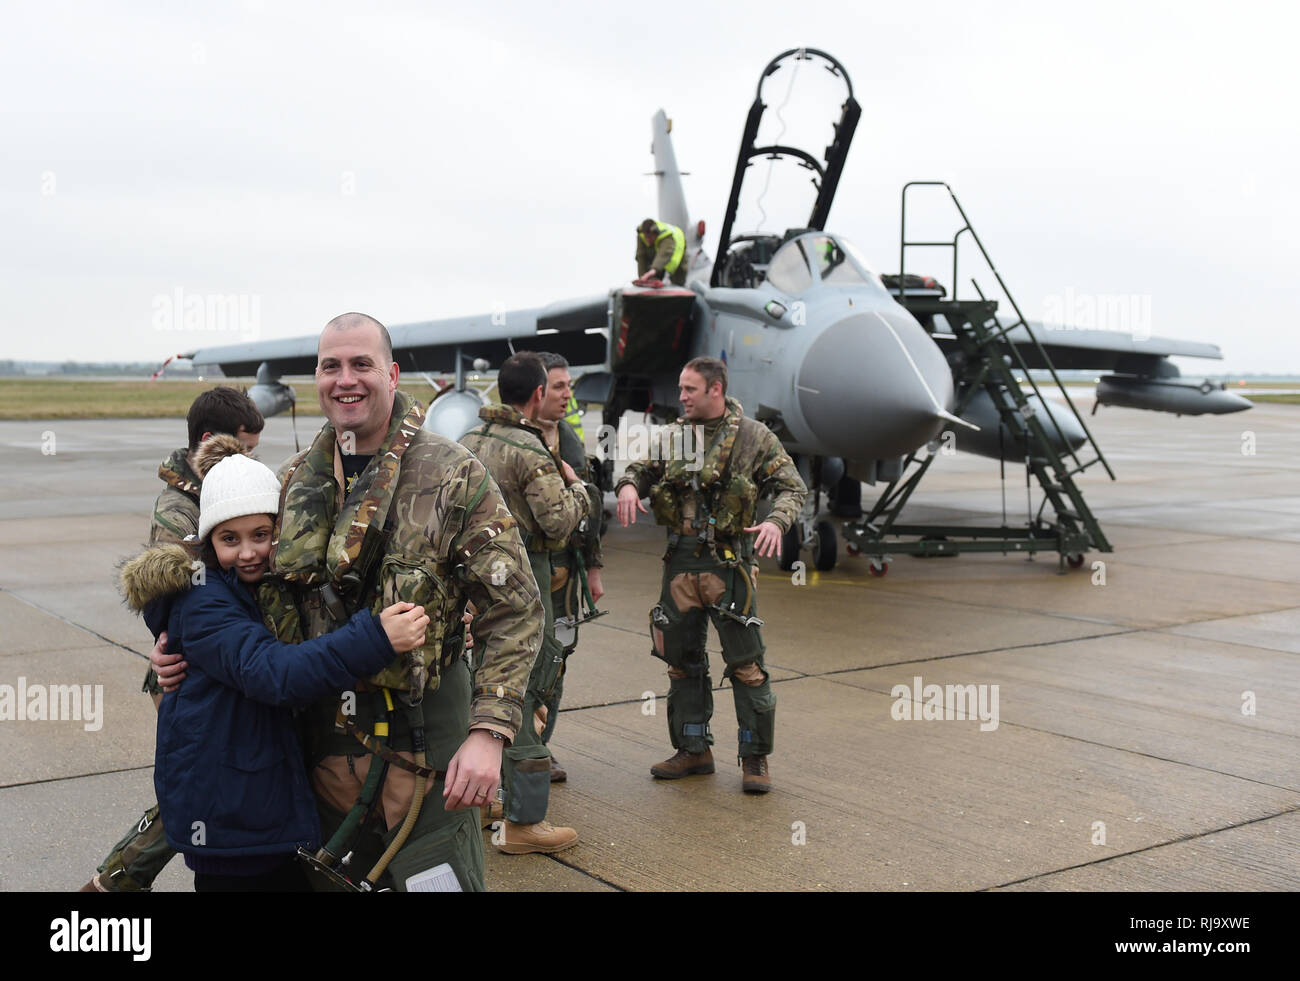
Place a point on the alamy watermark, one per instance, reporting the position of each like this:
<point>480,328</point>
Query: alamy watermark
<point>74,934</point>
<point>234,313</point>
<point>649,441</point>
<point>53,703</point>
<point>1127,313</point>
<point>945,703</point>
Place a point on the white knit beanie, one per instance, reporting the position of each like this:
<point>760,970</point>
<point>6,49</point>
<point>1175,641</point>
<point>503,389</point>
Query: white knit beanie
<point>235,486</point>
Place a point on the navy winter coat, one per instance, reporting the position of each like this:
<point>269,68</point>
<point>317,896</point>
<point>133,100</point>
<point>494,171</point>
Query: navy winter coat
<point>228,769</point>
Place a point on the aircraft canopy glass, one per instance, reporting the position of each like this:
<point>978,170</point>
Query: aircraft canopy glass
<point>837,262</point>
<point>789,270</point>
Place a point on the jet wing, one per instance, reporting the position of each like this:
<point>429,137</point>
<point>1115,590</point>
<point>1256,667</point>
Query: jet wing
<point>572,328</point>
<point>1073,349</point>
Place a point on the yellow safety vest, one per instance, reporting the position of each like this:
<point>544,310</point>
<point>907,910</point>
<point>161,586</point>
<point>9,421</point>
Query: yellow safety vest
<point>573,416</point>
<point>679,245</point>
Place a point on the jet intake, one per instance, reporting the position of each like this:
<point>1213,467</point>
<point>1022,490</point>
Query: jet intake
<point>454,413</point>
<point>1180,396</point>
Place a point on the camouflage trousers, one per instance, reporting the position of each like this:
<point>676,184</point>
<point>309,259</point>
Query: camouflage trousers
<point>137,859</point>
<point>566,600</point>
<point>526,763</point>
<point>695,590</point>
<point>439,835</point>
<point>142,853</point>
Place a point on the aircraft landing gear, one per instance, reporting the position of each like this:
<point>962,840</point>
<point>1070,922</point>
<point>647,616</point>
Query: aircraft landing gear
<point>825,548</point>
<point>791,543</point>
<point>819,536</point>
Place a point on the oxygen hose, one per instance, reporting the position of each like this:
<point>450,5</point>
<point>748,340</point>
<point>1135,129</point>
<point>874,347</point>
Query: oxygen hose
<point>328,853</point>
<point>415,714</point>
<point>582,577</point>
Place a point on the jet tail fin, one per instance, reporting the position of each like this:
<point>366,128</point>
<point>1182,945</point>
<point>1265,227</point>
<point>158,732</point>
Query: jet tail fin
<point>672,197</point>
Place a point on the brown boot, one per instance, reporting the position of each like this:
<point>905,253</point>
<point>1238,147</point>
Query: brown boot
<point>683,764</point>
<point>525,839</point>
<point>754,778</point>
<point>492,811</point>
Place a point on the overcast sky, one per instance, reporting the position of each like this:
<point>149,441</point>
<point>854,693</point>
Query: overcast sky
<point>416,162</point>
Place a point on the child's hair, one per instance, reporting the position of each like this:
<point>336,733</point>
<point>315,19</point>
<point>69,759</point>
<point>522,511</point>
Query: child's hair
<point>222,410</point>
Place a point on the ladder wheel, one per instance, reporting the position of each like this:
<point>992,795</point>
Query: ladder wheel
<point>824,554</point>
<point>1075,560</point>
<point>852,549</point>
<point>878,568</point>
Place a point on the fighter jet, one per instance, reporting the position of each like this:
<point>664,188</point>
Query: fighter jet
<point>858,374</point>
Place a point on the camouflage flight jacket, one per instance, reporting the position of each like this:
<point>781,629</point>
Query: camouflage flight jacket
<point>514,451</point>
<point>446,537</point>
<point>755,452</point>
<point>176,512</point>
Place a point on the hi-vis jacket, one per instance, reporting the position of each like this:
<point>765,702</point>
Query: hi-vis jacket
<point>664,252</point>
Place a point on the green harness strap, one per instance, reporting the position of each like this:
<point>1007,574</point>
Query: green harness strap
<point>487,431</point>
<point>329,853</point>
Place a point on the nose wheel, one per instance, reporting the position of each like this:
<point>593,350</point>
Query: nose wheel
<point>823,542</point>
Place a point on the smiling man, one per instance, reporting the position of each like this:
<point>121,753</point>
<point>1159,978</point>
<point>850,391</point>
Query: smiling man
<point>708,507</point>
<point>379,510</point>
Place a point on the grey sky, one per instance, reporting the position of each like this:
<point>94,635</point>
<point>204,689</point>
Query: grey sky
<point>418,163</point>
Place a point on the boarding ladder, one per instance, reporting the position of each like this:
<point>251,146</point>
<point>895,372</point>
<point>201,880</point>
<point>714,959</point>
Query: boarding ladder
<point>988,361</point>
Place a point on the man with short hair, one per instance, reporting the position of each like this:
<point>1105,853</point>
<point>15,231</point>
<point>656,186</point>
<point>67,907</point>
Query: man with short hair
<point>707,501</point>
<point>378,510</point>
<point>661,252</point>
<point>577,566</point>
<point>135,861</point>
<point>549,503</point>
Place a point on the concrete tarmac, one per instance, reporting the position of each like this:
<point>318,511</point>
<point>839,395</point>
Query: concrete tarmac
<point>1145,733</point>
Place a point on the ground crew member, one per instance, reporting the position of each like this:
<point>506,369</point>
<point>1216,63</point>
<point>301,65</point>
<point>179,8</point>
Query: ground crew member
<point>560,422</point>
<point>660,252</point>
<point>707,501</point>
<point>142,853</point>
<point>572,414</point>
<point>549,503</point>
<point>423,522</point>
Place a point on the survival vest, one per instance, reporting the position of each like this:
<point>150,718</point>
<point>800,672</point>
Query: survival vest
<point>709,501</point>
<point>328,562</point>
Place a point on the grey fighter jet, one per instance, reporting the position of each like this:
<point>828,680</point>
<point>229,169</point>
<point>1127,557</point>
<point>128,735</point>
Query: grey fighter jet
<point>855,376</point>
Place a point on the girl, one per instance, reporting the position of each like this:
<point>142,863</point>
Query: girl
<point>232,788</point>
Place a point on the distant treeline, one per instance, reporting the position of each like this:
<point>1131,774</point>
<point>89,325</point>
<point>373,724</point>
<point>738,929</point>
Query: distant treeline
<point>40,369</point>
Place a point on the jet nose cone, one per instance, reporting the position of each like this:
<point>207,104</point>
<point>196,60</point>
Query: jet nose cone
<point>873,386</point>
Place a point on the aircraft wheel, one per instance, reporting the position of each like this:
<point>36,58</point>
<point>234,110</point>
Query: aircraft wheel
<point>879,567</point>
<point>791,543</point>
<point>826,550</point>
<point>1074,561</point>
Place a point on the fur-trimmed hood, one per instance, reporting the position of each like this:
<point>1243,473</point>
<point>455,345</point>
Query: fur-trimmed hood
<point>216,448</point>
<point>156,574</point>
